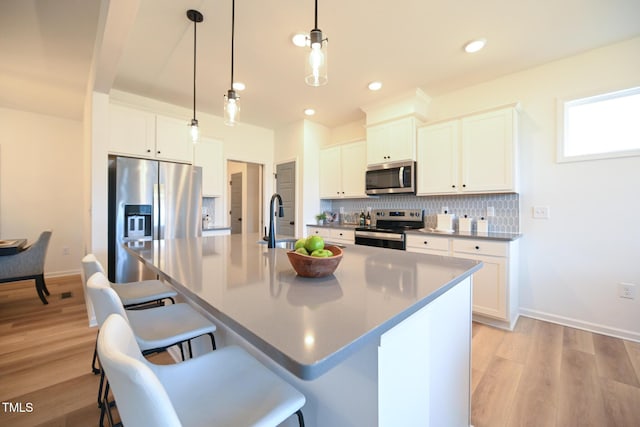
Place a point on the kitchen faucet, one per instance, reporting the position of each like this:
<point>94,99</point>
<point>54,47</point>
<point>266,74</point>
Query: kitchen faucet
<point>272,213</point>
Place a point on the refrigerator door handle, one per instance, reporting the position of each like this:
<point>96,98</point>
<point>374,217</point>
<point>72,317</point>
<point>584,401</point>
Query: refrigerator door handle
<point>156,211</point>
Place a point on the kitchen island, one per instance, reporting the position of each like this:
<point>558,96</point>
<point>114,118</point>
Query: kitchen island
<point>385,340</point>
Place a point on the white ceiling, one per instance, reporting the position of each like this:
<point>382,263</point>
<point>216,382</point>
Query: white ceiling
<point>46,48</point>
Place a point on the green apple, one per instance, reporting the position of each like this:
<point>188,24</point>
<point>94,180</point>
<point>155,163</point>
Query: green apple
<point>320,253</point>
<point>302,251</point>
<point>300,243</point>
<point>314,243</point>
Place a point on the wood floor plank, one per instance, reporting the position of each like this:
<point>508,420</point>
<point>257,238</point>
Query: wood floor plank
<point>491,401</point>
<point>633,350</point>
<point>622,403</point>
<point>581,401</point>
<point>484,344</point>
<point>535,400</point>
<point>613,360</point>
<point>578,340</point>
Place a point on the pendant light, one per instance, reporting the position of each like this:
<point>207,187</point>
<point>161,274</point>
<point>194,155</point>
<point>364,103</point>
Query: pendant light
<point>316,67</point>
<point>231,99</point>
<point>195,17</point>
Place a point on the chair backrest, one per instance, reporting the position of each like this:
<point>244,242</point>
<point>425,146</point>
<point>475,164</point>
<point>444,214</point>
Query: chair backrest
<point>90,265</point>
<point>104,299</point>
<point>29,262</point>
<point>140,397</point>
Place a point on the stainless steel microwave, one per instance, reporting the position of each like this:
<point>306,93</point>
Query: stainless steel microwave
<point>391,178</point>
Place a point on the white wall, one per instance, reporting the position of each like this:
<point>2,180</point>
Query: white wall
<point>41,184</point>
<point>571,263</point>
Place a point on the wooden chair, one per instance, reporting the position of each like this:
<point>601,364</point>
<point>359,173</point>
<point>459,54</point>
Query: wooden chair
<point>27,265</point>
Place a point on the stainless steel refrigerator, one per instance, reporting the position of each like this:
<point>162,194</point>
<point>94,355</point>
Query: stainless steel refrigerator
<point>149,200</point>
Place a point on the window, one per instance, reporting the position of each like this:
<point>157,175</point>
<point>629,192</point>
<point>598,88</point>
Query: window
<point>601,126</point>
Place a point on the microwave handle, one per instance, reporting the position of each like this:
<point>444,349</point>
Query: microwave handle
<point>401,176</point>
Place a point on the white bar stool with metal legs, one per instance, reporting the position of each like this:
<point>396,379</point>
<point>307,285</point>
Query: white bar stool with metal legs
<point>227,387</point>
<point>142,294</point>
<point>155,329</point>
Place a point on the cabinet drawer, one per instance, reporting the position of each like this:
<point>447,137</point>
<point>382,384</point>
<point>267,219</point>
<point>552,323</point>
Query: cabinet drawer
<point>428,242</point>
<point>342,235</point>
<point>480,247</point>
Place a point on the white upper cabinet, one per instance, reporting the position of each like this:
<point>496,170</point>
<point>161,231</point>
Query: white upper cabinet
<point>473,154</point>
<point>488,151</point>
<point>208,154</point>
<point>139,133</point>
<point>438,164</point>
<point>391,141</point>
<point>342,171</point>
<point>131,132</point>
<point>173,140</point>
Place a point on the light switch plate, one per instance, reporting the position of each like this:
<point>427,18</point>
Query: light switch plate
<point>541,212</point>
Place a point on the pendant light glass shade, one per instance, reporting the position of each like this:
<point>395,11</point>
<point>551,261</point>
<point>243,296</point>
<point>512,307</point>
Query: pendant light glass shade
<point>194,131</point>
<point>195,17</point>
<point>316,66</point>
<point>231,108</point>
<point>231,99</point>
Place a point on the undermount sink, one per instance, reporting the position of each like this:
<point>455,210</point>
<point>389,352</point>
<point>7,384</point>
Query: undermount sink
<point>282,243</point>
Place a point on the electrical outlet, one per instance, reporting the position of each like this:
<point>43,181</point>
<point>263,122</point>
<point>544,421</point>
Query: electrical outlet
<point>65,251</point>
<point>541,212</point>
<point>627,290</point>
<point>491,211</point>
<point>445,209</point>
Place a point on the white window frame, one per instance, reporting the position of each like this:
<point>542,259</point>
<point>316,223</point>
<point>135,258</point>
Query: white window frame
<point>564,103</point>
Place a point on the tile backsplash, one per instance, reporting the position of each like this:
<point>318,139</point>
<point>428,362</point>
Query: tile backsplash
<point>506,207</point>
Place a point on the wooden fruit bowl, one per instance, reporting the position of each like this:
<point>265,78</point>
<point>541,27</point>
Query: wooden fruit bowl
<point>310,266</point>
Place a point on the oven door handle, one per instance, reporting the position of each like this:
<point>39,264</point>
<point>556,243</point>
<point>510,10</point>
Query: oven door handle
<point>380,235</point>
<point>401,176</point>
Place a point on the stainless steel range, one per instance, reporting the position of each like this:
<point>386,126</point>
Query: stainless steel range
<point>388,227</point>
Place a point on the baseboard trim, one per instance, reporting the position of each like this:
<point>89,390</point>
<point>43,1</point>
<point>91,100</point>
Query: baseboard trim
<point>580,324</point>
<point>62,274</point>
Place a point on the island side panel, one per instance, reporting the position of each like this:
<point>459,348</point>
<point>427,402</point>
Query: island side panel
<point>424,364</point>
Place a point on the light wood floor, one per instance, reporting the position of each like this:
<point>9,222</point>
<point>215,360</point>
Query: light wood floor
<point>541,374</point>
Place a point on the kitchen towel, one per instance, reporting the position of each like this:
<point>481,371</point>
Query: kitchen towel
<point>465,224</point>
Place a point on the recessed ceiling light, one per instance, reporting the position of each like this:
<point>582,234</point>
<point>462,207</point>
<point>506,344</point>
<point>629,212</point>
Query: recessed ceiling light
<point>375,86</point>
<point>238,86</point>
<point>309,112</point>
<point>300,39</point>
<point>475,45</point>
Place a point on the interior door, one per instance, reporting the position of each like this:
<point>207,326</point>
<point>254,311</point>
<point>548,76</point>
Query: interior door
<point>286,187</point>
<point>236,203</point>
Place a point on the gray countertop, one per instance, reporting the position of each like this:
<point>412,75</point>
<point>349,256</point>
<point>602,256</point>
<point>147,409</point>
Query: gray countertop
<point>306,325</point>
<point>455,234</point>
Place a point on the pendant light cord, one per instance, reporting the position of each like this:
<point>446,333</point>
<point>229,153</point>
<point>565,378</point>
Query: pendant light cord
<point>316,20</point>
<point>233,25</point>
<point>195,24</point>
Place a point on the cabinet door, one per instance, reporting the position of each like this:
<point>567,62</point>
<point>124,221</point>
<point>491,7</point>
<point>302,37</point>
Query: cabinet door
<point>172,140</point>
<point>377,143</point>
<point>131,131</point>
<point>330,173</point>
<point>489,286</point>
<point>354,166</point>
<point>488,148</point>
<point>392,141</point>
<point>402,134</point>
<point>438,158</point>
<point>208,155</point>
<point>315,230</point>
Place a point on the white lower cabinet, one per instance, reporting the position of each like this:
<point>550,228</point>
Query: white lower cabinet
<point>495,290</point>
<point>335,235</point>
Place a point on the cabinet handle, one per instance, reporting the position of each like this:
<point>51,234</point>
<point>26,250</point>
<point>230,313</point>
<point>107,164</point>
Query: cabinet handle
<point>425,242</point>
<point>464,185</point>
<point>453,186</point>
<point>148,150</point>
<point>341,234</point>
<point>158,152</point>
<point>477,247</point>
